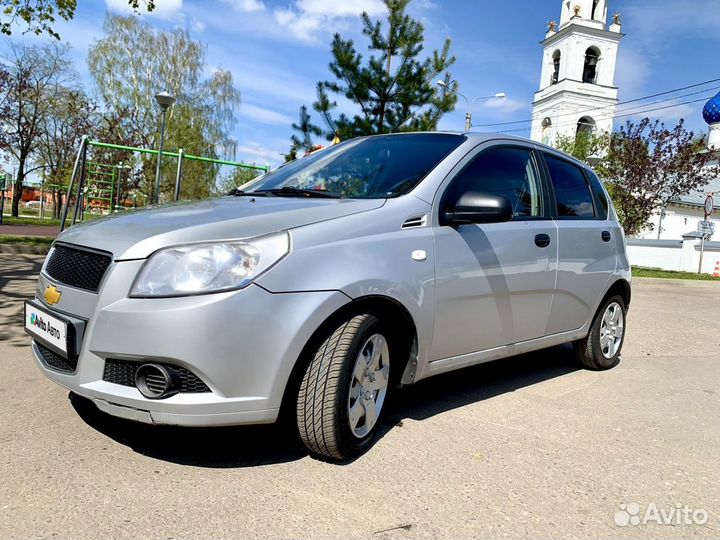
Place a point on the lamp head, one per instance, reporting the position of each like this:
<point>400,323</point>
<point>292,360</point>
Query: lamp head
<point>165,100</point>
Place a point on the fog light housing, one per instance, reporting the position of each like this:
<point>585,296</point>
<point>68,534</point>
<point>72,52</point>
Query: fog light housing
<point>156,382</point>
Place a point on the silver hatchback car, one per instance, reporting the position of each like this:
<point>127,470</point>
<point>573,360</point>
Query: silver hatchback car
<point>322,286</point>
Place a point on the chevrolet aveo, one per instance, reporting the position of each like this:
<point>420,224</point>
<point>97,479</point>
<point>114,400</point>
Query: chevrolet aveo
<point>324,285</point>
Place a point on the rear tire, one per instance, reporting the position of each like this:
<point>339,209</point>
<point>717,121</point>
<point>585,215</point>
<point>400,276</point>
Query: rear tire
<point>600,349</point>
<point>342,393</point>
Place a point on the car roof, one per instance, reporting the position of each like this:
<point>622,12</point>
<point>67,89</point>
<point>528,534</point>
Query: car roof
<point>477,138</point>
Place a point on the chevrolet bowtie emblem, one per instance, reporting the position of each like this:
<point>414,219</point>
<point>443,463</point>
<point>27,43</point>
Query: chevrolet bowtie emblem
<point>52,295</point>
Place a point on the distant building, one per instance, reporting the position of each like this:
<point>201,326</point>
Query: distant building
<point>578,93</point>
<point>683,215</point>
<point>577,85</point>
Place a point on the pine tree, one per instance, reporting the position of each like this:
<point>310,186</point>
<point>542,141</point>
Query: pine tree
<point>395,88</point>
<point>306,129</point>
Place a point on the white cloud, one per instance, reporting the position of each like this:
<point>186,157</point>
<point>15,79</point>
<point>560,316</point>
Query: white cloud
<point>335,8</point>
<point>667,112</point>
<point>252,152</point>
<point>264,116</point>
<point>247,6</point>
<point>632,73</point>
<point>650,19</point>
<point>305,19</point>
<point>504,105</point>
<point>164,9</point>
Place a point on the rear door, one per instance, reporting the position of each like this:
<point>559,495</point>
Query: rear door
<point>494,281</point>
<point>586,244</point>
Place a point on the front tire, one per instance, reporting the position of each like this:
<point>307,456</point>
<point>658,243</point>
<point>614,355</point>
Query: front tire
<point>600,349</point>
<point>342,393</point>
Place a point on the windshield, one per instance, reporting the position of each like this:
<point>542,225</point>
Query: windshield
<point>375,167</point>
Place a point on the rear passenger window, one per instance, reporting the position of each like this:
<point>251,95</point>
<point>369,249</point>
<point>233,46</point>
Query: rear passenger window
<point>571,189</point>
<point>505,171</point>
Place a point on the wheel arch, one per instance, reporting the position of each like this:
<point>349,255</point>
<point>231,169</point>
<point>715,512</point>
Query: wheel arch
<point>619,287</point>
<point>388,309</point>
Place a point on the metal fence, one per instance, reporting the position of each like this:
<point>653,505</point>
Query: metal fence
<point>97,187</point>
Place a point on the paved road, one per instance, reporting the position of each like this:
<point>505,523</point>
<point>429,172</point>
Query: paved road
<point>29,230</point>
<point>527,447</point>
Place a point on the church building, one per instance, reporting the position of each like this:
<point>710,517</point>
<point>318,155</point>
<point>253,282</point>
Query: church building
<point>577,85</point>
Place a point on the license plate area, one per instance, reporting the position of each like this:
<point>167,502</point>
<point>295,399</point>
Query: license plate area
<point>57,332</point>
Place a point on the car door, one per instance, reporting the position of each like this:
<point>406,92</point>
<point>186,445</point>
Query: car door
<point>586,244</point>
<point>494,281</point>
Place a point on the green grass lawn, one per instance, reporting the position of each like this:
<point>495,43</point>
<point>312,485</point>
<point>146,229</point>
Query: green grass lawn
<point>638,271</point>
<point>27,240</point>
<point>25,220</point>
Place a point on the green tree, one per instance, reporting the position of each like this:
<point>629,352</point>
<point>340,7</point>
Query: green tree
<point>587,146</point>
<point>130,64</point>
<point>33,75</point>
<point>39,15</point>
<point>70,115</point>
<point>237,178</point>
<point>304,140</point>
<point>394,88</point>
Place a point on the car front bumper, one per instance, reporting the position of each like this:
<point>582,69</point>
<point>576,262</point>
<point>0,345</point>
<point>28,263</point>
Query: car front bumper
<point>242,344</point>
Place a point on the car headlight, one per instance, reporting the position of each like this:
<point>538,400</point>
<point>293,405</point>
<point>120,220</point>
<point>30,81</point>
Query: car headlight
<point>209,267</point>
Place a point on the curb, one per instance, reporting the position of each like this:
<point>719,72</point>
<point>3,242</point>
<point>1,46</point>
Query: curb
<point>24,249</point>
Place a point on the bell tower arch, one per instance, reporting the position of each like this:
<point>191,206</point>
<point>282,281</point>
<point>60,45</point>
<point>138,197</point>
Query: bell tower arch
<point>577,81</point>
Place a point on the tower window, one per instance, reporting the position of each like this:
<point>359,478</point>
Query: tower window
<point>585,127</point>
<point>546,131</point>
<point>556,68</point>
<point>594,8</point>
<point>592,55</point>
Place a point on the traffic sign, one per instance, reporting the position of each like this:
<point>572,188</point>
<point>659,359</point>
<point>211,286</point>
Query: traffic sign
<point>709,205</point>
<point>706,227</point>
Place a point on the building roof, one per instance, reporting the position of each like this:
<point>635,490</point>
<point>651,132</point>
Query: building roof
<point>697,197</point>
<point>711,111</point>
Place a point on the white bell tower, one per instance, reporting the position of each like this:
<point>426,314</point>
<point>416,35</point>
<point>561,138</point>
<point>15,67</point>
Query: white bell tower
<point>577,85</point>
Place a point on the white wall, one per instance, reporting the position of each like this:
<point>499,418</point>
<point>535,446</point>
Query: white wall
<point>673,255</point>
<point>679,220</point>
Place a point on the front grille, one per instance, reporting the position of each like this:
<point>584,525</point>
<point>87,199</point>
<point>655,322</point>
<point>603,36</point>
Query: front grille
<point>123,372</point>
<point>77,268</point>
<point>54,361</point>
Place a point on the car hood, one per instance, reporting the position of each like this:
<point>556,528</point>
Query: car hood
<point>137,234</point>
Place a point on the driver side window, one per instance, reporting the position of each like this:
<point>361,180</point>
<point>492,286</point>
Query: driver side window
<point>506,171</point>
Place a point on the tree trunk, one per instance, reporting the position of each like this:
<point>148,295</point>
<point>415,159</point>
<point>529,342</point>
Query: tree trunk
<point>57,203</point>
<point>17,192</point>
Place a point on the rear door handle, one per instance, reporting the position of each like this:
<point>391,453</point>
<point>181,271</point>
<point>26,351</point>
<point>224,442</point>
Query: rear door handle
<point>606,236</point>
<point>542,240</point>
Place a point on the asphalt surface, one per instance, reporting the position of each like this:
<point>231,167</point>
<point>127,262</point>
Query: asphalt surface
<point>524,447</point>
<point>29,230</point>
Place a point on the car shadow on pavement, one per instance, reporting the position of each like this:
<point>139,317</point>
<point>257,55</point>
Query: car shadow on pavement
<point>249,446</point>
<point>449,391</point>
<point>217,447</point>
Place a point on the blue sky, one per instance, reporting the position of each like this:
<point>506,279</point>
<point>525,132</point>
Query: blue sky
<point>278,49</point>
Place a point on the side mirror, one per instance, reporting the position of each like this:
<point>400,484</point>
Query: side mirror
<point>476,207</point>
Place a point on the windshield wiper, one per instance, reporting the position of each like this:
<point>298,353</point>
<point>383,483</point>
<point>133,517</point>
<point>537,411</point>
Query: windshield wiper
<point>240,193</point>
<point>291,191</point>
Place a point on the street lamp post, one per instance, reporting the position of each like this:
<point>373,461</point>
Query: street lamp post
<point>165,100</point>
<point>470,102</point>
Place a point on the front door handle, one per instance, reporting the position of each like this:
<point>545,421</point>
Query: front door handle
<point>542,240</point>
<point>606,236</point>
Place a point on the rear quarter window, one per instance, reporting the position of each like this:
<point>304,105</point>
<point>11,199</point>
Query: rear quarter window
<point>603,205</point>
